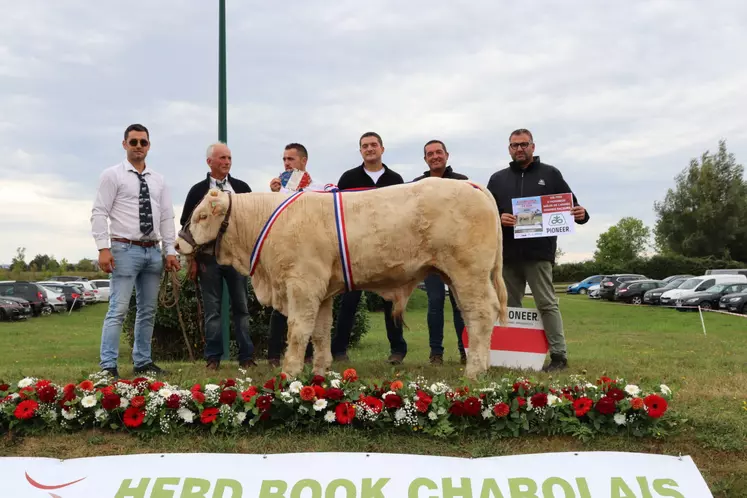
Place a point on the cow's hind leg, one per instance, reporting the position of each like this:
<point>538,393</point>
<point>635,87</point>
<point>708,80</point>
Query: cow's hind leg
<point>479,306</point>
<point>321,338</point>
<point>302,313</point>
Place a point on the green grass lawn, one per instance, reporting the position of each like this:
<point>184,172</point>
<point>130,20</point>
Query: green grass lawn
<point>708,374</point>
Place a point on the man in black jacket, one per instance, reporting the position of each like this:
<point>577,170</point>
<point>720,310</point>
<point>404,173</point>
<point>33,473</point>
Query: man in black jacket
<point>437,158</point>
<point>531,260</point>
<point>372,173</point>
<point>211,274</point>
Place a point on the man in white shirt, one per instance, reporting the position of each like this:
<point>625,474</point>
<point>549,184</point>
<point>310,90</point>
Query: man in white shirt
<point>137,204</point>
<point>211,274</point>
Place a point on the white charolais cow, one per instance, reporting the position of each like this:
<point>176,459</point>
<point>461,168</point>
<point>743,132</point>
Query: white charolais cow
<point>304,249</point>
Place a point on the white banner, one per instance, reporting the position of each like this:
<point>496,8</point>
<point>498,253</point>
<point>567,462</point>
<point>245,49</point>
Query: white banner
<point>348,475</point>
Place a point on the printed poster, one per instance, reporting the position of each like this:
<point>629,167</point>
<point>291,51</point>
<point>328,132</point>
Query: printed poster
<point>543,216</point>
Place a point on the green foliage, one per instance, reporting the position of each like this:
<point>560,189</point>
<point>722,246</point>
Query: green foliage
<point>706,213</point>
<point>623,242</point>
<point>85,264</point>
<point>168,339</point>
<point>18,263</point>
<point>658,266</point>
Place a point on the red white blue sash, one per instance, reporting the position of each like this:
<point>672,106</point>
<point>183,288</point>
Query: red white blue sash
<point>342,241</point>
<point>266,230</point>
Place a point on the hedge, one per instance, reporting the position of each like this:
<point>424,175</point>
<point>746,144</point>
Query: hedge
<point>168,340</point>
<point>658,267</point>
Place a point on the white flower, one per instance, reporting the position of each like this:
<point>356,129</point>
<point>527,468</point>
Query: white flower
<point>186,414</point>
<point>25,382</point>
<point>240,417</point>
<point>165,393</point>
<point>399,414</point>
<point>295,387</point>
<point>124,402</point>
<point>441,411</point>
<point>665,390</point>
<point>486,413</point>
<point>432,415</point>
<point>632,389</point>
<point>619,418</point>
<point>286,397</point>
<point>88,401</point>
<point>552,400</point>
<point>212,387</point>
<point>303,410</point>
<point>69,414</point>
<point>335,383</point>
<point>330,416</point>
<point>320,404</point>
<point>101,415</point>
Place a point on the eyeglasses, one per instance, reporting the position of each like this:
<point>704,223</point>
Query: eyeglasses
<point>133,142</point>
<point>516,145</point>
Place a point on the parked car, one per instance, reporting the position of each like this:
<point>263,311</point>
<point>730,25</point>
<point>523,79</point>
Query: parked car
<point>26,310</point>
<point>582,287</point>
<point>653,297</point>
<point>709,298</point>
<point>30,291</point>
<point>735,303</point>
<point>632,292</point>
<point>103,287</point>
<point>594,292</point>
<point>670,278</point>
<point>56,299</point>
<point>13,310</point>
<point>68,278</point>
<point>611,282</point>
<point>698,284</point>
<point>73,294</point>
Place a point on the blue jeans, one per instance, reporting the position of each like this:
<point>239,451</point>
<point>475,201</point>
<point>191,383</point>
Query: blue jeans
<point>436,291</point>
<point>211,284</point>
<point>139,268</point>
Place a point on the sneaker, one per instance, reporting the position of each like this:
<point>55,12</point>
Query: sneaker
<point>341,357</point>
<point>110,371</point>
<point>557,362</point>
<point>248,364</point>
<point>437,359</point>
<point>213,364</point>
<point>396,358</point>
<point>150,368</point>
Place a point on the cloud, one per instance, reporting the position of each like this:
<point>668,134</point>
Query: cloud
<point>619,97</point>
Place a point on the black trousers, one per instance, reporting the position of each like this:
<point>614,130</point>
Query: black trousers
<point>346,320</point>
<point>279,337</point>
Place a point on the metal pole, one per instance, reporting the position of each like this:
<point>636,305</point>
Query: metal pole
<point>223,137</point>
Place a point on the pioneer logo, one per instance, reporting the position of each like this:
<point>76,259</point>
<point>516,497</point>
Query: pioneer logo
<point>52,487</point>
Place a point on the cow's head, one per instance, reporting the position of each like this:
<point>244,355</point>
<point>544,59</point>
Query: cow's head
<point>207,223</point>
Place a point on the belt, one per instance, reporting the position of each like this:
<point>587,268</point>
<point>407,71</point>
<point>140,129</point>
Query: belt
<point>141,243</point>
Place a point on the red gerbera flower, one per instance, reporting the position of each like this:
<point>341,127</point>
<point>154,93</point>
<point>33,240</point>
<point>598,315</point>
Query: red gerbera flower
<point>656,405</point>
<point>393,401</point>
<point>345,413</point>
<point>136,402</point>
<point>472,406</point>
<point>375,404</point>
<point>335,394</point>
<point>320,391</point>
<point>582,406</point>
<point>86,385</point>
<point>47,393</point>
<point>317,380</point>
<point>249,394</point>
<point>350,375</point>
<point>539,400</point>
<point>110,401</point>
<point>133,417</point>
<point>636,403</point>
<point>209,415</point>
<point>26,409</point>
<point>227,397</point>
<point>501,409</point>
<point>606,405</point>
<point>198,397</point>
<point>307,393</point>
<point>156,386</point>
<point>616,393</point>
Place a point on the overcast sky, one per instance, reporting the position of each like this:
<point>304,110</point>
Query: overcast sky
<point>619,96</point>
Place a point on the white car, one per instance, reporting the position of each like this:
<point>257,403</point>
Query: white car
<point>55,299</point>
<point>594,291</point>
<point>102,286</point>
<point>698,284</point>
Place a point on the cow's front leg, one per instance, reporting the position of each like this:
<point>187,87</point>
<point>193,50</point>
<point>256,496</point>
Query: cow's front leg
<point>302,313</point>
<point>321,338</point>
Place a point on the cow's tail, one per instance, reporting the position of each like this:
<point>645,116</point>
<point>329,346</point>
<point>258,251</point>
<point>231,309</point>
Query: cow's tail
<point>497,272</point>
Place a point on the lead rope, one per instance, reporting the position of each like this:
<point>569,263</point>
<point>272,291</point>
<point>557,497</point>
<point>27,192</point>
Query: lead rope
<point>173,300</point>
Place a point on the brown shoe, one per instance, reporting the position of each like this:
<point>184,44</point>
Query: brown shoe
<point>213,365</point>
<point>396,358</point>
<point>247,364</point>
<point>437,359</point>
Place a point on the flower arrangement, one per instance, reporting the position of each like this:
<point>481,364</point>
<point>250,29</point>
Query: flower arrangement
<point>507,408</point>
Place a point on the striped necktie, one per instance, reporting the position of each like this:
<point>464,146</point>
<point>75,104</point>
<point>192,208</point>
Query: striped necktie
<point>146,213</point>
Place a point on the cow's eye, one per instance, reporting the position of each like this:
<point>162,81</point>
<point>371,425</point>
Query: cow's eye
<point>203,216</point>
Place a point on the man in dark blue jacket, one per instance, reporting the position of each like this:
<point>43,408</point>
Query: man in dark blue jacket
<point>531,260</point>
<point>437,158</point>
<point>211,274</point>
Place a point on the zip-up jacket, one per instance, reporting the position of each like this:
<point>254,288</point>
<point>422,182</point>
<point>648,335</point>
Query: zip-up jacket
<point>448,173</point>
<point>358,178</point>
<point>514,182</point>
